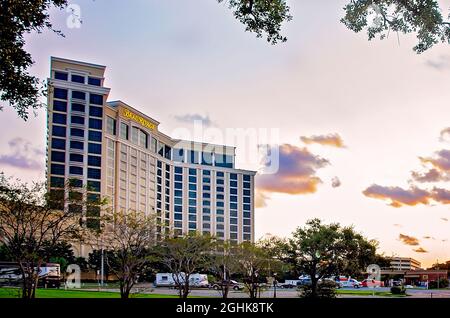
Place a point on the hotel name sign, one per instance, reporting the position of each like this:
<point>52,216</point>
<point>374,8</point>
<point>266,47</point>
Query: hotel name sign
<point>139,119</point>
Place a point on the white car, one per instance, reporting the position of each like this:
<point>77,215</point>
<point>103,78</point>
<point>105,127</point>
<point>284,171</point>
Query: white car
<point>350,283</point>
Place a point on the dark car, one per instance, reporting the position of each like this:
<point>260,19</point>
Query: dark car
<point>286,285</point>
<point>234,285</point>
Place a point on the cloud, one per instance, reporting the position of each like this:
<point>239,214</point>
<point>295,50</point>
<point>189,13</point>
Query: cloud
<point>296,173</point>
<point>333,140</point>
<point>408,240</point>
<point>397,196</point>
<point>429,237</point>
<point>190,118</point>
<point>23,155</point>
<point>397,225</point>
<point>441,195</point>
<point>432,175</point>
<point>441,161</point>
<point>441,63</point>
<point>444,219</point>
<point>335,182</point>
<point>444,133</point>
<point>420,250</point>
<point>261,199</point>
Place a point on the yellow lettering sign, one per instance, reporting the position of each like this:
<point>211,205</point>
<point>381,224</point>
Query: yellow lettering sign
<point>139,119</point>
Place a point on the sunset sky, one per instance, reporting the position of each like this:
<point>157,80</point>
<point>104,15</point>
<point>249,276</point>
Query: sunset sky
<point>364,126</point>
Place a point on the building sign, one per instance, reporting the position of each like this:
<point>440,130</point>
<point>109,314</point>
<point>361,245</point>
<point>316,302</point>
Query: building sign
<point>139,119</point>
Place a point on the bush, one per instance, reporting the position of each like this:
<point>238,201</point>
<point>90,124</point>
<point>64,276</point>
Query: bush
<point>398,290</point>
<point>325,289</point>
<point>443,283</point>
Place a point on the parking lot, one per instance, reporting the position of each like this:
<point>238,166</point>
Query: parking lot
<point>293,293</point>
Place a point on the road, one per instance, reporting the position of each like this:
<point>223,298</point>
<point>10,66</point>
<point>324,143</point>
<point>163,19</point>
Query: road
<point>285,293</point>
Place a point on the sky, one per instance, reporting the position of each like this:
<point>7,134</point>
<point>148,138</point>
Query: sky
<point>361,124</point>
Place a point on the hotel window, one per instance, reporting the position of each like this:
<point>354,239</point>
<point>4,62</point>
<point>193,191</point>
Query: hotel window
<point>59,119</point>
<point>93,186</point>
<point>58,156</point>
<point>57,182</point>
<point>60,93</point>
<point>57,169</point>
<point>110,125</point>
<point>77,120</point>
<point>160,149</point>
<point>220,174</point>
<point>167,152</point>
<point>94,173</point>
<point>76,157</point>
<point>95,111</point>
<point>153,144</point>
<point>77,78</point>
<point>76,145</point>
<point>96,99</point>
<point>178,154</point>
<point>192,156</point>
<point>76,170</point>
<point>78,107</point>
<point>59,106</point>
<point>95,135</point>
<point>207,158</point>
<point>95,123</point>
<point>78,95</point>
<point>61,76</point>
<point>124,131</point>
<point>135,135</point>
<point>59,131</point>
<point>94,161</point>
<point>143,139</point>
<point>94,81</point>
<point>58,143</point>
<point>76,132</point>
<point>95,148</point>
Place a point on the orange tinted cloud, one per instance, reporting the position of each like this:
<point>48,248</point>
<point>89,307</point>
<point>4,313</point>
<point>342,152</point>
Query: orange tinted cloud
<point>420,250</point>
<point>441,161</point>
<point>441,195</point>
<point>260,199</point>
<point>408,240</point>
<point>333,140</point>
<point>397,196</point>
<point>296,173</point>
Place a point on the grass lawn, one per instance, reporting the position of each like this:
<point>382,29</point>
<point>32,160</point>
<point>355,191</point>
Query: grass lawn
<point>366,293</point>
<point>61,293</point>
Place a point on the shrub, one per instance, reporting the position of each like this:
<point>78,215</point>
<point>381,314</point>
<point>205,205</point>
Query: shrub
<point>325,289</point>
<point>443,283</point>
<point>398,290</point>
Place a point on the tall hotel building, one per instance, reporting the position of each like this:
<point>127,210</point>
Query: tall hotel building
<point>112,150</point>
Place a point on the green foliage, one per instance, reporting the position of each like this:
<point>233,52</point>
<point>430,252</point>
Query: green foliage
<point>398,290</point>
<point>18,18</point>
<point>325,289</point>
<point>262,17</point>
<point>420,17</point>
<point>443,283</point>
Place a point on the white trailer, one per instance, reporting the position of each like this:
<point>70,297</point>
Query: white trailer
<point>167,280</point>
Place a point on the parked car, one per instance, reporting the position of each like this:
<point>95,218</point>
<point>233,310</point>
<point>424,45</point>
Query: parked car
<point>286,285</point>
<point>352,283</point>
<point>372,283</point>
<point>234,285</point>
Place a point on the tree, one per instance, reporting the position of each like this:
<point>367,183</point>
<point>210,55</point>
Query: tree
<point>127,237</point>
<point>255,264</point>
<point>32,223</point>
<point>19,17</point>
<point>183,256</point>
<point>325,250</point>
<point>224,263</point>
<point>421,17</point>
<point>262,17</point>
